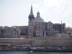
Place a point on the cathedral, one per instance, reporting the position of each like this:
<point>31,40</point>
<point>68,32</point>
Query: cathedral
<point>38,28</point>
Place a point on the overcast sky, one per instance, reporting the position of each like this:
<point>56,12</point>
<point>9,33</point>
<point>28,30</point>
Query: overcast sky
<point>15,12</point>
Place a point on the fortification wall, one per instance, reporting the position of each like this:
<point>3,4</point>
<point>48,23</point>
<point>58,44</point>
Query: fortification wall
<point>51,42</point>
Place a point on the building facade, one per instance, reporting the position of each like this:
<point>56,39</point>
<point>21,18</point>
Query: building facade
<point>10,32</point>
<point>37,26</point>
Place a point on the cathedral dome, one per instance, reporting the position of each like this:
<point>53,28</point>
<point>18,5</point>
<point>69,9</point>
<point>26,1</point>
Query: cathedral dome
<point>38,18</point>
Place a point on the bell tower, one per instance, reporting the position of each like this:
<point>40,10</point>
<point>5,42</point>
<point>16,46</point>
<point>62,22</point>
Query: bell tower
<point>30,25</point>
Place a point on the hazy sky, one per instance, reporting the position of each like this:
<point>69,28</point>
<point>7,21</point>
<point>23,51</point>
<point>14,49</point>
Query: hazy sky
<point>15,12</point>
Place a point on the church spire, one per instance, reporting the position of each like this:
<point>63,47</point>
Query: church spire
<point>31,12</point>
<point>31,16</point>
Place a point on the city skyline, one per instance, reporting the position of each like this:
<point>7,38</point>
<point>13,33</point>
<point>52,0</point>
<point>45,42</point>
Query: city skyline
<point>16,12</point>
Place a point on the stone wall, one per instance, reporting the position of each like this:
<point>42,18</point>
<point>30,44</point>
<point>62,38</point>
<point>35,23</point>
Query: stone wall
<point>40,41</point>
<point>51,42</point>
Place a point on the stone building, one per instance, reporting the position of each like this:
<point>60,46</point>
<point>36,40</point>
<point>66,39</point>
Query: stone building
<point>68,31</point>
<point>1,31</point>
<point>23,30</point>
<point>10,32</point>
<point>37,26</point>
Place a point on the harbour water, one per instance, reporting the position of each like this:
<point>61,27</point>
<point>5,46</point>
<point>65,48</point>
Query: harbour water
<point>31,52</point>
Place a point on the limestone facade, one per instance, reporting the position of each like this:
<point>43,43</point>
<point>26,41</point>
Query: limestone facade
<point>37,26</point>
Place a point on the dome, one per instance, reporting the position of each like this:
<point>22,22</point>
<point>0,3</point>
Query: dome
<point>38,18</point>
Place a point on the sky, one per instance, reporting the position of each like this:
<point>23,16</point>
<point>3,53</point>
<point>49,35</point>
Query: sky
<point>16,12</point>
